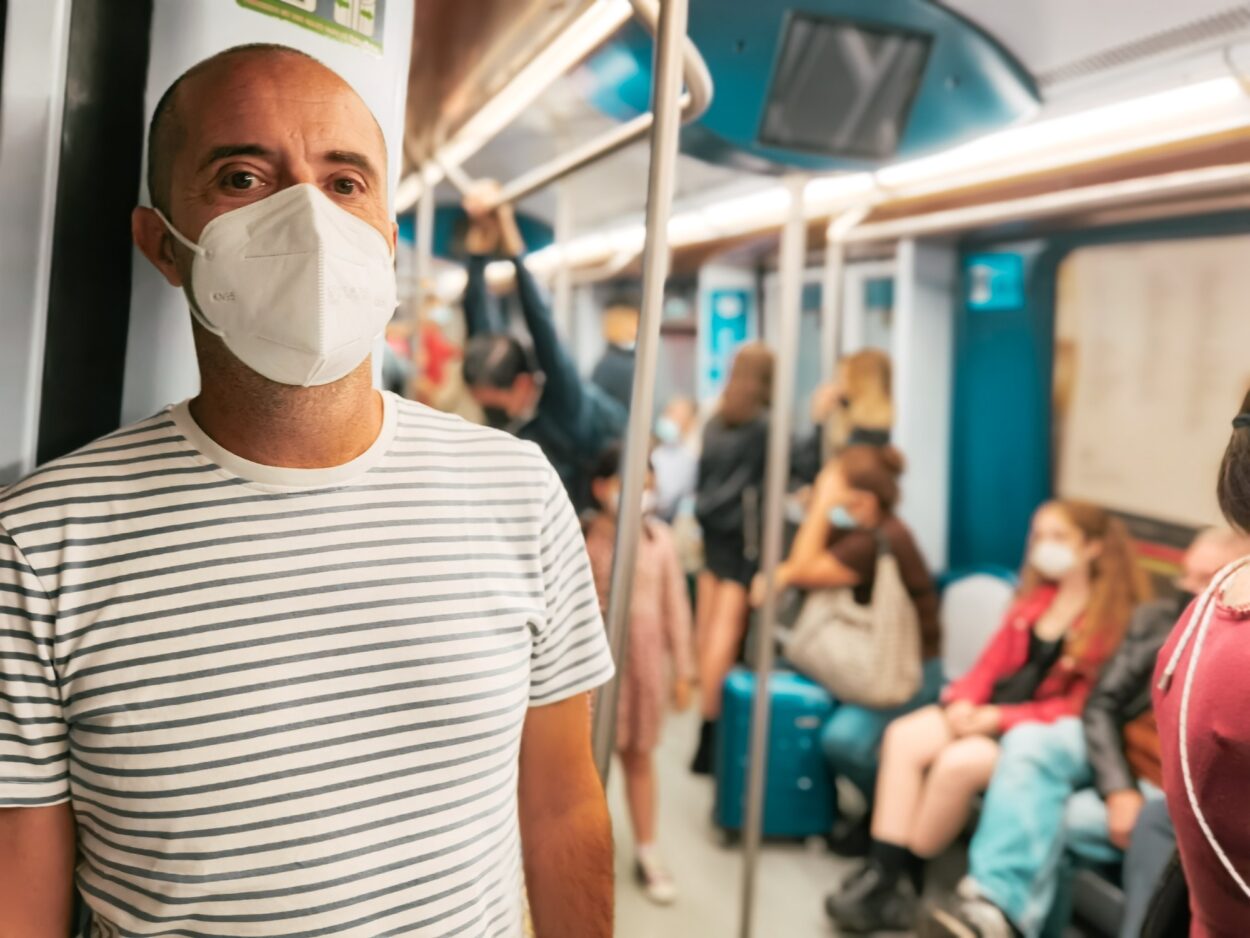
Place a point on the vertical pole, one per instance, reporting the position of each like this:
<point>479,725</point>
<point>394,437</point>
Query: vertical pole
<point>424,235</point>
<point>563,305</point>
<point>660,177</point>
<point>790,290</point>
<point>831,306</point>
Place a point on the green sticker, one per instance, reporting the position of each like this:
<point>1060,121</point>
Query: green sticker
<point>355,22</point>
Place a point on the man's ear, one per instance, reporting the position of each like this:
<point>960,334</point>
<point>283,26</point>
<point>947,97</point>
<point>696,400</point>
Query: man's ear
<point>154,240</point>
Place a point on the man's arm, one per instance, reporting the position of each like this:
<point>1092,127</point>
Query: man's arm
<point>36,871</point>
<point>476,302</point>
<point>566,834</point>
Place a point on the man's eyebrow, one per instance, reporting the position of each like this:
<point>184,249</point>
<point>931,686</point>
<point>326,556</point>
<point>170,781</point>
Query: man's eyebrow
<point>358,160</point>
<point>235,149</point>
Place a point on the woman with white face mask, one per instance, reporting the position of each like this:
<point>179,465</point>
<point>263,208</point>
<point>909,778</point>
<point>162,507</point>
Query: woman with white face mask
<point>1079,586</point>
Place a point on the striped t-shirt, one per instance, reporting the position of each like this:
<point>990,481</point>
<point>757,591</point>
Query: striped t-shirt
<point>290,701</point>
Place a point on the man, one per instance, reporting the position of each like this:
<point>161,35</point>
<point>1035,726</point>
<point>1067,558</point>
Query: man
<point>676,456</point>
<point>542,399</point>
<point>1041,802</point>
<point>614,373</point>
<point>295,657</point>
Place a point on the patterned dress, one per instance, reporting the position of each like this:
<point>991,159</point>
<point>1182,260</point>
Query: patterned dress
<point>659,627</point>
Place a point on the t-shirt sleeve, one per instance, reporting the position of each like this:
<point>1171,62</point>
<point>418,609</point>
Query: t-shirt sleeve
<point>571,653</point>
<point>857,551</point>
<point>34,743</point>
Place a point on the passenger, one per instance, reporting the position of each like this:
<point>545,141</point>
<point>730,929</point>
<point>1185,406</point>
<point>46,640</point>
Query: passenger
<point>853,410</point>
<point>1201,699</point>
<point>729,508</point>
<point>676,457</point>
<point>543,400</point>
<point>1081,786</point>
<point>296,656</point>
<point>1077,594</point>
<point>853,502</point>
<point>660,641</point>
<point>614,374</point>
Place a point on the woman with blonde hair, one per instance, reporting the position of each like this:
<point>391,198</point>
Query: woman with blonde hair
<point>1078,590</point>
<point>855,409</point>
<point>729,508</point>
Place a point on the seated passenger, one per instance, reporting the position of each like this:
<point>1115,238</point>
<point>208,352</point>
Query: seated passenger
<point>659,636</point>
<point>1077,593</point>
<point>853,502</point>
<point>544,400</point>
<point>1201,699</point>
<point>1080,786</point>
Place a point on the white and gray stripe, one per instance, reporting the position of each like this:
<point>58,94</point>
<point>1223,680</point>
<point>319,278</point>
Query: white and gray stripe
<point>289,702</point>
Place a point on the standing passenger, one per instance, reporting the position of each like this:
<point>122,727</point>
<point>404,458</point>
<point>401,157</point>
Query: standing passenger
<point>294,656</point>
<point>659,633</point>
<point>1076,596</point>
<point>676,457</point>
<point>1201,699</point>
<point>854,410</point>
<point>614,374</point>
<point>543,399</point>
<point>729,506</point>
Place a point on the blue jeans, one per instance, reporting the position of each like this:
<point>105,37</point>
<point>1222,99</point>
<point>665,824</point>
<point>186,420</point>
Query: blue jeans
<point>851,738</point>
<point>1039,804</point>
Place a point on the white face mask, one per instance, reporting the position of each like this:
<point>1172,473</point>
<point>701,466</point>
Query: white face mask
<point>295,286</point>
<point>1052,559</point>
<point>649,504</point>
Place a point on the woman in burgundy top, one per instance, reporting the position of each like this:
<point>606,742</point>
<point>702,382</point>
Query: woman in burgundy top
<point>1201,698</point>
<point>1078,590</point>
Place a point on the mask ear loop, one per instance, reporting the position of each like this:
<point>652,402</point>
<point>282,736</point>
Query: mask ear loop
<point>1197,629</point>
<point>198,251</point>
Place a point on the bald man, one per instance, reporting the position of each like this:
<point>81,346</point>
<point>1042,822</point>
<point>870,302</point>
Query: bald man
<point>294,657</point>
<point>1091,787</point>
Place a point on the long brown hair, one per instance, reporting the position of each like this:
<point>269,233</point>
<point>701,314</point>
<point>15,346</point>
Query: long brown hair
<point>874,469</point>
<point>1233,487</point>
<point>749,391</point>
<point>1118,584</point>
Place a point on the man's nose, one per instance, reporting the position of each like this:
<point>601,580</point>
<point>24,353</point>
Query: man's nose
<point>296,171</point>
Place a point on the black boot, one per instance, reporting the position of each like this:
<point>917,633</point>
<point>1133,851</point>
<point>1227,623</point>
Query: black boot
<point>876,898</point>
<point>701,764</point>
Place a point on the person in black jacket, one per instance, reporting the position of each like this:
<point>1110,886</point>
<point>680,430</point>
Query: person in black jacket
<point>541,398</point>
<point>728,505</point>
<point>1081,785</point>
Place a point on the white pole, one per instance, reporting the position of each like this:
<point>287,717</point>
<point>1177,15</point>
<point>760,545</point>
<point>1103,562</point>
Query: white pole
<point>790,290</point>
<point>660,179</point>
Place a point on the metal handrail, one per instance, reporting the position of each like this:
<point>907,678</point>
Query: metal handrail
<point>694,102</point>
<point>666,88</point>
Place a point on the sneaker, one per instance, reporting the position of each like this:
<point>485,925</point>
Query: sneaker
<point>870,902</point>
<point>656,882</point>
<point>971,918</point>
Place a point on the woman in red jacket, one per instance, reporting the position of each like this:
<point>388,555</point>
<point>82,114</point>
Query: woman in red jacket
<point>1077,592</point>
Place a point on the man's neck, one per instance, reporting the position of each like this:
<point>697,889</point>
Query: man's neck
<point>296,428</point>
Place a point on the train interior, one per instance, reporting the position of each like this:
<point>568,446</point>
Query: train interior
<point>1038,210</point>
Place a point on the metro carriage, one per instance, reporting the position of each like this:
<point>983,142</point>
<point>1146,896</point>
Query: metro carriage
<point>1035,213</point>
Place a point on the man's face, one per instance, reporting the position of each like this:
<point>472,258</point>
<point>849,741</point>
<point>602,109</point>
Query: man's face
<point>253,125</point>
<point>1206,557</point>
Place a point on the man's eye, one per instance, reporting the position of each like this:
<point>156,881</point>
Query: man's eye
<point>346,186</point>
<point>241,180</point>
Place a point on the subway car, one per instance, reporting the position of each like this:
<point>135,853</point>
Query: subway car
<point>636,467</point>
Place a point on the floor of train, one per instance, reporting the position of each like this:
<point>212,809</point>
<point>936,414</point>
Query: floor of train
<point>792,877</point>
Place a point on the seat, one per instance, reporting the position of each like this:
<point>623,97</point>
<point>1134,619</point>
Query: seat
<point>974,602</point>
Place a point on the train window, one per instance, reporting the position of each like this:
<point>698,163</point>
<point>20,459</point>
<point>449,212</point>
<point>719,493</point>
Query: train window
<point>876,72</point>
<point>1149,370</point>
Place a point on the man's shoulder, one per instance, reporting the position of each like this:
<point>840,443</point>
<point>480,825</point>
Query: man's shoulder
<point>115,458</point>
<point>471,442</point>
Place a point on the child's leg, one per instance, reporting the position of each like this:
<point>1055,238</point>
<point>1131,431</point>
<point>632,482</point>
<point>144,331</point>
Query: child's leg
<point>962,771</point>
<point>640,792</point>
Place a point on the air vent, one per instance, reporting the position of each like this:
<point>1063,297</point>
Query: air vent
<point>1214,28</point>
<point>842,89</point>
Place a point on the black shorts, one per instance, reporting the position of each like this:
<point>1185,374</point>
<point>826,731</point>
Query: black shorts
<point>724,556</point>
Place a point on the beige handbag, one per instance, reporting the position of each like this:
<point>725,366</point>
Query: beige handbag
<point>865,655</point>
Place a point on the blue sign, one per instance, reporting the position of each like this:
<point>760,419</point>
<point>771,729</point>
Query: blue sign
<point>995,282</point>
<point>727,322</point>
